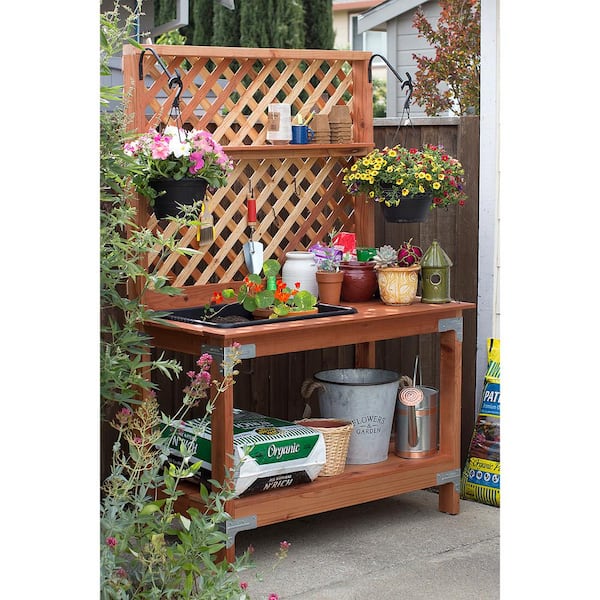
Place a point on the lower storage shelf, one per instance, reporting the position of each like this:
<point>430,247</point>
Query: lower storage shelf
<point>356,485</point>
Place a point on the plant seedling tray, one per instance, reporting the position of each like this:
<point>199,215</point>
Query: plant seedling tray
<point>235,315</point>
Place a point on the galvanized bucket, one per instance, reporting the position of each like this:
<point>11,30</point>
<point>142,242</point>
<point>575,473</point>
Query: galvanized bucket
<point>367,398</point>
<point>417,426</point>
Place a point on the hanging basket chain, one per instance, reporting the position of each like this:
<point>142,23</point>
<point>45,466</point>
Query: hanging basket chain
<point>172,81</point>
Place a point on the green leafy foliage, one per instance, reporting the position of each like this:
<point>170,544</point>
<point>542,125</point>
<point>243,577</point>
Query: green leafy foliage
<point>149,550</point>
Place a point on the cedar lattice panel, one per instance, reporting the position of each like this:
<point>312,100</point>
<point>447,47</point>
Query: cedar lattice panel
<point>298,204</point>
<point>214,90</point>
<point>226,91</point>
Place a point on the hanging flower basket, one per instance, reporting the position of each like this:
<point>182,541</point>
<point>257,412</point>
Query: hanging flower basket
<point>411,209</point>
<point>177,192</point>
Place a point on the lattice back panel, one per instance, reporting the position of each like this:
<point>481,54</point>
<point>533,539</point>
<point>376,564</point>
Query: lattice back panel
<point>226,91</point>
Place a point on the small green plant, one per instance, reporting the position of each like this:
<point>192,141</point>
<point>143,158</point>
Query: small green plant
<point>280,299</point>
<point>328,257</point>
<point>406,256</point>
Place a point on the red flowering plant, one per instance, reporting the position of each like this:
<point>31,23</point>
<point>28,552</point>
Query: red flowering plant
<point>277,296</point>
<point>391,174</point>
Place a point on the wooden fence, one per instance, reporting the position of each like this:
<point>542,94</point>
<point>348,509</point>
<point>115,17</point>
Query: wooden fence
<point>271,385</point>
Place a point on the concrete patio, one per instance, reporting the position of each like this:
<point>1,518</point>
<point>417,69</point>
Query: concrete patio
<point>400,547</point>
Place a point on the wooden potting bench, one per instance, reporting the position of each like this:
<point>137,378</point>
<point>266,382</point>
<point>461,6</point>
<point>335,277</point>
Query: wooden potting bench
<point>300,198</point>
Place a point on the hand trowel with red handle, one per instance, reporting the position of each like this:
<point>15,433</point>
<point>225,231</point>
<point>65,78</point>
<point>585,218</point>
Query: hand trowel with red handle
<point>253,251</point>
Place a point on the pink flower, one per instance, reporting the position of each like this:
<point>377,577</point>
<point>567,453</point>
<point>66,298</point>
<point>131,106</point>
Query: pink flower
<point>285,545</point>
<point>111,541</point>
<point>197,159</point>
<point>244,585</point>
<point>205,360</point>
<point>160,147</point>
<point>273,597</point>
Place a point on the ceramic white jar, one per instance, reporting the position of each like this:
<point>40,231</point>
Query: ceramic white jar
<point>301,266</point>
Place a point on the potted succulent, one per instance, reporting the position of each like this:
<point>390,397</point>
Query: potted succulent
<point>398,273</point>
<point>329,277</point>
<point>408,182</point>
<point>273,300</point>
<point>176,166</point>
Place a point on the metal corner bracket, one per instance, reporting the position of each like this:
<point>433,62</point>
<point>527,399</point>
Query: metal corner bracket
<point>223,354</point>
<point>449,477</point>
<point>452,324</point>
<point>233,526</point>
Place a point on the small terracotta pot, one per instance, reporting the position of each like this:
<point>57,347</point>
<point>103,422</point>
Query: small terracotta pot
<point>330,286</point>
<point>360,281</point>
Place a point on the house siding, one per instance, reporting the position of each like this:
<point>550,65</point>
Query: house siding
<point>401,45</point>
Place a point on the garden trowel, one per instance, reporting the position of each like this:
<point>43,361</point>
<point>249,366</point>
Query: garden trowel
<point>253,251</point>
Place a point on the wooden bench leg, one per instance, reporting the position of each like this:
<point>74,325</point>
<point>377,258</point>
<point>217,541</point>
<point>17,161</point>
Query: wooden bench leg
<point>449,499</point>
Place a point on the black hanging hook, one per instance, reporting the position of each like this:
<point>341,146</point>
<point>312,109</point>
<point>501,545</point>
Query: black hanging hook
<point>173,80</point>
<point>385,60</point>
<point>409,84</point>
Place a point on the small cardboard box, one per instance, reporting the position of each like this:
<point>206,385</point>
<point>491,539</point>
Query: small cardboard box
<point>268,453</point>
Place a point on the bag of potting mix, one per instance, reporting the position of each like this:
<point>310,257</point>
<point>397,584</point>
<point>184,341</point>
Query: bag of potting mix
<point>481,475</point>
<point>268,453</point>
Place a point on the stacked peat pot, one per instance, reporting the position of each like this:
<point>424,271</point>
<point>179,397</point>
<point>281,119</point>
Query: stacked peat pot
<point>320,125</point>
<point>340,124</point>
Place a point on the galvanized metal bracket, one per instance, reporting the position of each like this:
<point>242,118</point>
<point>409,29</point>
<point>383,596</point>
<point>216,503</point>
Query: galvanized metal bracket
<point>449,477</point>
<point>224,354</point>
<point>453,324</point>
<point>234,526</point>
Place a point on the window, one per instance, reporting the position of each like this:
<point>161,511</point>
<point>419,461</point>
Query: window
<point>371,41</point>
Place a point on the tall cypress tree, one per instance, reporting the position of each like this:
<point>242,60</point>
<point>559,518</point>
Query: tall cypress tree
<point>318,23</point>
<point>256,23</point>
<point>287,24</point>
<point>226,25</point>
<point>199,32</point>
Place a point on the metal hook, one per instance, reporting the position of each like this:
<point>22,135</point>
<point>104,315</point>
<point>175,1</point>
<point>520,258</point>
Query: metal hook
<point>385,60</point>
<point>173,80</point>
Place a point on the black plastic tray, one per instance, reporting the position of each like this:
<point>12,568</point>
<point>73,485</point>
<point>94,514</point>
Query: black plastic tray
<point>196,315</point>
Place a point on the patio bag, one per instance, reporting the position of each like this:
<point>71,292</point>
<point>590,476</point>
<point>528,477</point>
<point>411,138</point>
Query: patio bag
<point>481,475</point>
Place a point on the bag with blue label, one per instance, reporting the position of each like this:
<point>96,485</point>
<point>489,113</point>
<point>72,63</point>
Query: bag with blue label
<point>481,475</point>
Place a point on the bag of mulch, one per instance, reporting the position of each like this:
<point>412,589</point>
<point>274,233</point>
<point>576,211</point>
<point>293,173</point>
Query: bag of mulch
<point>481,475</point>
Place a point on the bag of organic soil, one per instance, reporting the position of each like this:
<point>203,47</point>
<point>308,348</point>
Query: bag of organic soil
<point>481,475</point>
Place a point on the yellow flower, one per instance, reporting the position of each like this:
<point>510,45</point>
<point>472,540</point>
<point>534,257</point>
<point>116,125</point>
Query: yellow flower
<point>399,181</point>
<point>392,153</point>
<point>421,175</point>
<point>354,167</point>
<point>436,185</point>
<point>421,189</point>
<point>405,192</point>
<point>371,194</point>
<point>428,177</point>
<point>441,176</point>
<point>390,169</point>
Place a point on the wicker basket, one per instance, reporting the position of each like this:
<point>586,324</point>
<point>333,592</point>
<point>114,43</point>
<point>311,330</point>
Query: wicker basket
<point>336,434</point>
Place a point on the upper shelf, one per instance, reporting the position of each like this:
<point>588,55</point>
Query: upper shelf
<point>312,149</point>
